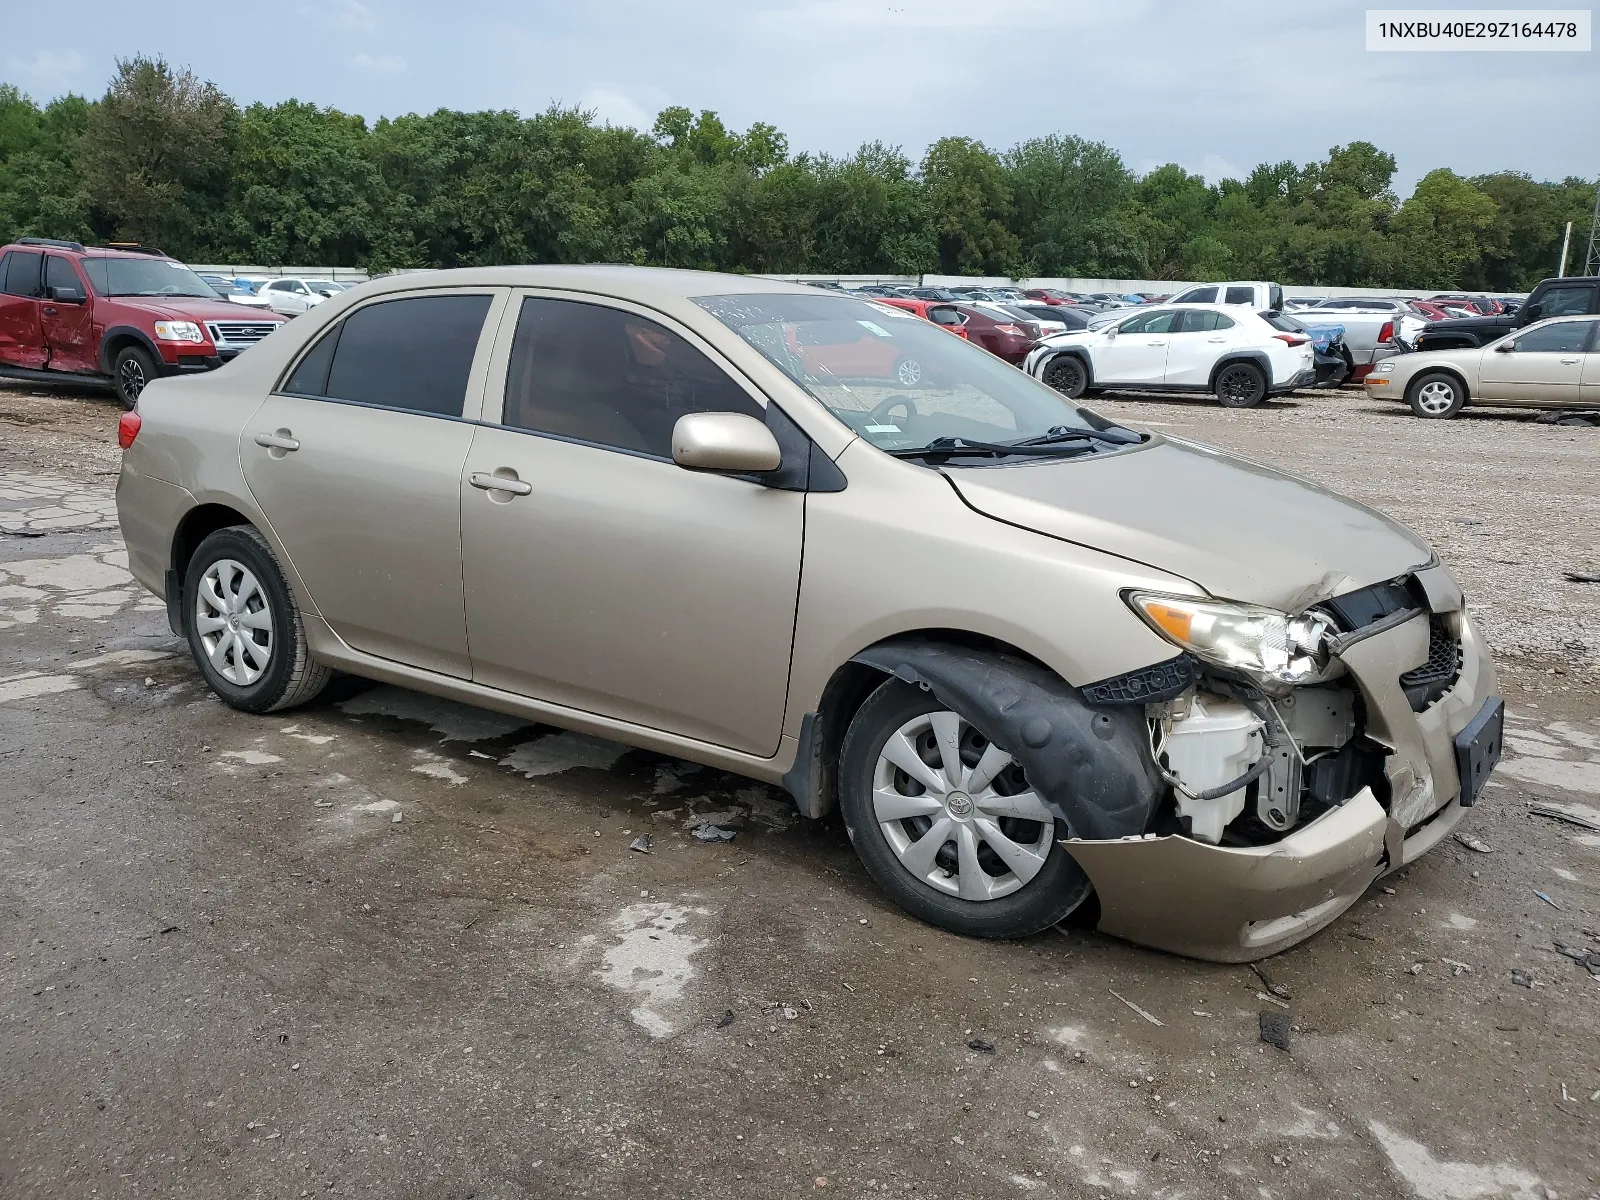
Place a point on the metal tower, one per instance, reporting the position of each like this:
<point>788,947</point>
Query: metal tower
<point>1591,260</point>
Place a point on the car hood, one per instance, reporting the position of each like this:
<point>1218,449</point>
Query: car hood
<point>1240,530</point>
<point>188,308</point>
<point>1476,324</point>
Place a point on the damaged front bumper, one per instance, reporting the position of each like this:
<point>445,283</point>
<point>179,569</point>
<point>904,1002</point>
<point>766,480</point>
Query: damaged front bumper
<point>1235,904</point>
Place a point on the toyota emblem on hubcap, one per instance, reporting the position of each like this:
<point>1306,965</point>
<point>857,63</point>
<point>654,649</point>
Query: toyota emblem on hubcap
<point>959,804</point>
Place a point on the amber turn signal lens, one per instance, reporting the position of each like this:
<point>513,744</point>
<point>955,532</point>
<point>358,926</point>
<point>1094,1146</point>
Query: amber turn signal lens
<point>1174,622</point>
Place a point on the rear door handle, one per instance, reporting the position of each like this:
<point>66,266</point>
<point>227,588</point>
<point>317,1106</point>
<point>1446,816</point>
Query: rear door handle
<point>277,441</point>
<point>499,483</point>
<point>1568,361</point>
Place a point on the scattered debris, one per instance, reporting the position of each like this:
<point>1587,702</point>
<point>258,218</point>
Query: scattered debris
<point>707,832</point>
<point>1271,999</point>
<point>1416,968</point>
<point>1521,978</point>
<point>1456,968</point>
<point>1032,1116</point>
<point>30,533</point>
<point>846,986</point>
<point>1275,1028</point>
<point>980,1045</point>
<point>1581,955</point>
<point>789,1014</point>
<point>322,804</point>
<point>725,1019</point>
<point>1147,1016</point>
<point>640,843</point>
<point>397,818</point>
<point>1472,843</point>
<point>1546,899</point>
<point>1277,989</point>
<point>1582,577</point>
<point>1558,814</point>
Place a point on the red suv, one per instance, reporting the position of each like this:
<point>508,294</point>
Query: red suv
<point>115,317</point>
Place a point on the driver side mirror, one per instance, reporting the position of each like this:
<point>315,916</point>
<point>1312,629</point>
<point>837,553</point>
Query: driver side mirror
<point>66,295</point>
<point>1531,314</point>
<point>725,442</point>
<point>1505,347</point>
<point>1111,331</point>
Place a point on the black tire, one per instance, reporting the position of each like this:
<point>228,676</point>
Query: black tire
<point>1240,385</point>
<point>1066,373</point>
<point>131,372</point>
<point>1050,896</point>
<point>291,676</point>
<point>1439,385</point>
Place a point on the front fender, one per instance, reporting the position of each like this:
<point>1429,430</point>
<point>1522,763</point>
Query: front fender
<point>1091,766</point>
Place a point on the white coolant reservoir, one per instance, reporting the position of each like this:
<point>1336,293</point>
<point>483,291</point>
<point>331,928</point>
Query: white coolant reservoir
<point>1218,741</point>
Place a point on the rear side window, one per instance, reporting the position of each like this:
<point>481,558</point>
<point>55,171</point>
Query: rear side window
<point>1240,295</point>
<point>1204,320</point>
<point>602,375</point>
<point>413,354</point>
<point>22,273</point>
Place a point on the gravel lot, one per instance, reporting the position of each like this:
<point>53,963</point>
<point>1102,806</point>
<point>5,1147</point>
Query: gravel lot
<point>391,947</point>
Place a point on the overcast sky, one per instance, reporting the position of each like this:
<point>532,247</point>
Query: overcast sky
<point>1214,85</point>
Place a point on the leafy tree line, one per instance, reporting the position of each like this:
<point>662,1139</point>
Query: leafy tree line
<point>167,159</point>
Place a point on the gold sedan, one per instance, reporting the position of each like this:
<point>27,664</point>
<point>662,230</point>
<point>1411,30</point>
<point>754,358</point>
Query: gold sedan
<point>1551,364</point>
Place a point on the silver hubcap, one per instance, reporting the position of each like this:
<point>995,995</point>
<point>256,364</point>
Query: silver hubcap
<point>234,622</point>
<point>1435,397</point>
<point>956,810</point>
<point>909,372</point>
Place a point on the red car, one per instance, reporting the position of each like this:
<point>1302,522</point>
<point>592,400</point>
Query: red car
<point>114,317</point>
<point>1048,296</point>
<point>944,315</point>
<point>1010,340</point>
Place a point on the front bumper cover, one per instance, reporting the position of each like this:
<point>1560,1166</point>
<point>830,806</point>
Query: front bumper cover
<point>1230,904</point>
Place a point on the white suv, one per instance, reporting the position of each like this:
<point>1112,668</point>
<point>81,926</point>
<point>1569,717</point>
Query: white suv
<point>291,297</point>
<point>1240,356</point>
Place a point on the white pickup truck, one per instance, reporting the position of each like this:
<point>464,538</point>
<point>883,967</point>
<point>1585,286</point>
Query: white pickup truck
<point>1370,326</point>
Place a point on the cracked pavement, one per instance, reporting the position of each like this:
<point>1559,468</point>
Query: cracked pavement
<point>390,946</point>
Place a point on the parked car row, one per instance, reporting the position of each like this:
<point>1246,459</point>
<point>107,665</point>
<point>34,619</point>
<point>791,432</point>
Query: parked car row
<point>290,296</point>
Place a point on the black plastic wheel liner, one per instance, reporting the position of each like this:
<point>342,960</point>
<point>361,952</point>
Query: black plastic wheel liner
<point>1091,766</point>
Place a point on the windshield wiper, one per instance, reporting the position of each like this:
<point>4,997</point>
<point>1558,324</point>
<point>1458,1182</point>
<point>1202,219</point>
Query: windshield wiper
<point>960,447</point>
<point>1111,437</point>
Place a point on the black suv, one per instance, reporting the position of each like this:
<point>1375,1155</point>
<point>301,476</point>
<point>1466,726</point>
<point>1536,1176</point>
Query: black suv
<point>1572,296</point>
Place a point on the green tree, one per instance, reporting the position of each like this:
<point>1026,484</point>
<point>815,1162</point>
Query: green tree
<point>969,201</point>
<point>156,153</point>
<point>41,193</point>
<point>1065,192</point>
<point>1443,231</point>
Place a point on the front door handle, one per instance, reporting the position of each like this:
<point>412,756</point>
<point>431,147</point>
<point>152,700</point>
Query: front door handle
<point>277,441</point>
<point>1216,339</point>
<point>48,311</point>
<point>1568,361</point>
<point>499,483</point>
<point>1156,343</point>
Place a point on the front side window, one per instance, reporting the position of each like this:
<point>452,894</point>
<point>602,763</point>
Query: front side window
<point>58,273</point>
<point>603,375</point>
<point>1560,337</point>
<point>897,382</point>
<point>144,277</point>
<point>1204,295</point>
<point>413,354</point>
<point>22,273</point>
<point>1564,301</point>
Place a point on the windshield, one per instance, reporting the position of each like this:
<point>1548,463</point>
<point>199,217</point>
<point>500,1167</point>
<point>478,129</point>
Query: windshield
<point>896,380</point>
<point>145,277</point>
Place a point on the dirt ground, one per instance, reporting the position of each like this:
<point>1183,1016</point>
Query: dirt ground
<point>387,946</point>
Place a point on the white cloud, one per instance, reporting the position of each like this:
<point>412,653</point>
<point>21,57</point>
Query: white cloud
<point>613,107</point>
<point>1215,168</point>
<point>352,14</point>
<point>49,65</point>
<point>380,64</point>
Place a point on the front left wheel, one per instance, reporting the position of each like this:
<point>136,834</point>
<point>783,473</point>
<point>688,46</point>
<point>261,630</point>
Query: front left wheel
<point>131,373</point>
<point>244,627</point>
<point>947,824</point>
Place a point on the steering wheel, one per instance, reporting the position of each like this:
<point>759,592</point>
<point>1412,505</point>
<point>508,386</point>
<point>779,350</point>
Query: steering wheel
<point>881,412</point>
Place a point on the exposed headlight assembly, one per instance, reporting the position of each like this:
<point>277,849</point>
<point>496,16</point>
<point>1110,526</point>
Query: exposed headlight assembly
<point>1270,647</point>
<point>1383,368</point>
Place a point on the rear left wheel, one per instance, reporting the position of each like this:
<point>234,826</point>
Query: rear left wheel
<point>947,824</point>
<point>1241,385</point>
<point>244,627</point>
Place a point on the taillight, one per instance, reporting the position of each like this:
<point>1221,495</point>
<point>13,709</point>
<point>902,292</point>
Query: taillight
<point>128,429</point>
<point>1008,329</point>
<point>1386,334</point>
<point>1291,339</point>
